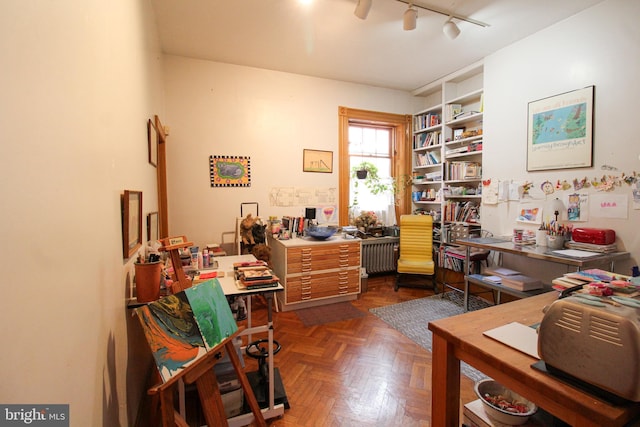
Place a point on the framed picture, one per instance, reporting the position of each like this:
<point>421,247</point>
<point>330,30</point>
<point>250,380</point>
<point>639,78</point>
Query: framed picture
<point>317,161</point>
<point>230,171</point>
<point>560,131</point>
<point>131,222</point>
<point>152,226</point>
<point>152,142</point>
<point>457,133</point>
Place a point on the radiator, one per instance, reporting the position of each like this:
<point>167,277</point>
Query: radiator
<point>378,254</point>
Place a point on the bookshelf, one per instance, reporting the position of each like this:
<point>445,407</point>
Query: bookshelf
<point>447,152</point>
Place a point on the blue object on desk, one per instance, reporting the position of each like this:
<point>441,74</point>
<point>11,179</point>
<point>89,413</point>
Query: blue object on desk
<point>321,233</point>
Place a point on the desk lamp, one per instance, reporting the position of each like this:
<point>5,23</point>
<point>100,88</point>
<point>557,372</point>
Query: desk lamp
<point>556,207</point>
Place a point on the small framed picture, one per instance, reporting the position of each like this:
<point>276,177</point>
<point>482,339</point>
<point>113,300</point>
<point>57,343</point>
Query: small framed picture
<point>457,133</point>
<point>152,142</point>
<point>317,161</point>
<point>131,222</point>
<point>152,227</point>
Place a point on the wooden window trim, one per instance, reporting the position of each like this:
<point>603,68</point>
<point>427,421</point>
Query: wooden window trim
<point>401,153</point>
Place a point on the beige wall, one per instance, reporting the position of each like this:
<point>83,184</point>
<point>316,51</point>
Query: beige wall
<point>79,80</point>
<point>596,47</point>
<point>222,109</point>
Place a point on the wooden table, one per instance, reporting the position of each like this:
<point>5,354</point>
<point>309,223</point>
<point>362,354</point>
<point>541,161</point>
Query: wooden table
<point>460,338</point>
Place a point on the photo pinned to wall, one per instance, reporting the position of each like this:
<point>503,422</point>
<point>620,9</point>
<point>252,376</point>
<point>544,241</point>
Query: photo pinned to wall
<point>131,222</point>
<point>636,196</point>
<point>577,207</point>
<point>317,161</point>
<point>230,171</point>
<point>152,143</point>
<point>530,213</point>
<point>560,131</point>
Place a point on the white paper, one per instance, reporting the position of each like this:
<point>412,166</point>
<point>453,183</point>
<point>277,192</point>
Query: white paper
<point>516,335</point>
<point>576,253</point>
<point>607,205</point>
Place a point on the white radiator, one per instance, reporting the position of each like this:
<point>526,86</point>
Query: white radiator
<point>378,254</point>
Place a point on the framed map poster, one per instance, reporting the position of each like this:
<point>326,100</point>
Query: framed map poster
<point>560,131</point>
<point>230,171</point>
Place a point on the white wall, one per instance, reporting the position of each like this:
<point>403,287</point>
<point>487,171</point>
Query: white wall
<point>596,47</point>
<point>79,80</point>
<point>221,109</point>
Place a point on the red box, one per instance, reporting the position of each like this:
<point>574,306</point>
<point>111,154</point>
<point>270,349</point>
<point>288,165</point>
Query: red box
<point>595,236</point>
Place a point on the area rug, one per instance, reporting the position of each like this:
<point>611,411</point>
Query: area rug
<point>411,319</point>
<point>329,313</point>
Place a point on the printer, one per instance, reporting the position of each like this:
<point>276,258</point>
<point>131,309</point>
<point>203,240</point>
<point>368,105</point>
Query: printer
<point>595,340</point>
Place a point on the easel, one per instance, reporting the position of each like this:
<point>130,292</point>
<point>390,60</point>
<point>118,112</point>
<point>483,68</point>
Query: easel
<point>201,374</point>
<point>173,246</point>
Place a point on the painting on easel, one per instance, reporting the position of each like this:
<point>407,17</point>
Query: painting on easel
<point>176,324</point>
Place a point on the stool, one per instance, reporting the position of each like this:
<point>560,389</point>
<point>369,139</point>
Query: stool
<point>259,380</point>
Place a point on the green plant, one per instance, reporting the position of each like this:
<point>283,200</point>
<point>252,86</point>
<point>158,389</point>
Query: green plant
<point>372,181</point>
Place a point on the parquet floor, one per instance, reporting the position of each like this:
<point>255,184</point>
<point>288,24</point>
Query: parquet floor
<point>358,372</point>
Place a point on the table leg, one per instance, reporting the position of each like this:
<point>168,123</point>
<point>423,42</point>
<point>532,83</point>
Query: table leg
<point>269,297</point>
<point>467,257</point>
<point>445,385</point>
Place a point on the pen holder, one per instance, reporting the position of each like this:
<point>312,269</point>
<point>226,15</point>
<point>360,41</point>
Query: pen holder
<point>148,281</point>
<point>555,242</point>
<point>541,237</point>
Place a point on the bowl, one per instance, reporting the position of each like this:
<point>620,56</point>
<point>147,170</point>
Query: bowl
<point>516,416</point>
<point>321,233</point>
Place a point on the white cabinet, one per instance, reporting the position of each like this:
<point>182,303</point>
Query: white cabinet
<point>447,148</point>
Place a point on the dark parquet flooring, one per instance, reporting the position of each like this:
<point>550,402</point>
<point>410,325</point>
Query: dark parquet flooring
<point>357,372</point>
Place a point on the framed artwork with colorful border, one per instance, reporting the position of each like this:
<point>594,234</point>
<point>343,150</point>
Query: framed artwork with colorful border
<point>230,171</point>
<point>560,131</point>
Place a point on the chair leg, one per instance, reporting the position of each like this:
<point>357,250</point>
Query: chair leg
<point>434,283</point>
<point>396,285</point>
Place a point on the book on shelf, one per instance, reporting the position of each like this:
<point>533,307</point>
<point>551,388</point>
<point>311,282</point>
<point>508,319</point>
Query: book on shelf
<point>451,110</point>
<point>427,139</point>
<point>460,212</point>
<point>423,121</point>
<point>463,114</point>
<point>457,150</point>
<point>521,282</point>
<point>459,170</point>
<point>501,271</point>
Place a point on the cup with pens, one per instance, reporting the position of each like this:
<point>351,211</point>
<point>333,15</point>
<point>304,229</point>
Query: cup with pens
<point>557,235</point>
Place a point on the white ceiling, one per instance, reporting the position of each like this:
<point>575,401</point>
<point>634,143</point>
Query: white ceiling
<point>325,39</point>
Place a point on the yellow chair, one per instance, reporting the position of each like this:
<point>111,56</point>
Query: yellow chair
<point>416,248</point>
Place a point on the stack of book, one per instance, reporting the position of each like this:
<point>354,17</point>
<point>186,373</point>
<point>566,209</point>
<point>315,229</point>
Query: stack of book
<point>514,279</point>
<point>593,247</point>
<point>254,275</point>
<point>598,279</point>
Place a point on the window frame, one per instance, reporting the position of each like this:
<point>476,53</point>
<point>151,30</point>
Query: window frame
<point>400,153</point>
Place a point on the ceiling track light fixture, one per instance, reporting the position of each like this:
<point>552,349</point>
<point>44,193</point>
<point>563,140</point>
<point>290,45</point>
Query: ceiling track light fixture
<point>362,8</point>
<point>445,13</point>
<point>409,18</point>
<point>450,29</point>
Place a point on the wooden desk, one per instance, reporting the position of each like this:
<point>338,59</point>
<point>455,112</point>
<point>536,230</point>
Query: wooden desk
<point>460,338</point>
<point>530,251</point>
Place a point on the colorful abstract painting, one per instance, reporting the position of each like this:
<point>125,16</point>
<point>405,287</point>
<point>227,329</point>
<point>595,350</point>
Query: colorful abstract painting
<point>212,312</point>
<point>230,171</point>
<point>176,324</point>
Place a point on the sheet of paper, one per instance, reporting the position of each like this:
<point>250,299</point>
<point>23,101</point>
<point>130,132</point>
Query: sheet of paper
<point>576,253</point>
<point>516,335</point>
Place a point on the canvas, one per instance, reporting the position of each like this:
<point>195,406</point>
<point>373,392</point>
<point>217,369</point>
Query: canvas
<point>181,328</point>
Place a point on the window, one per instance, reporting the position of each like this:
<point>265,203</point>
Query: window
<point>383,140</point>
<point>371,145</point>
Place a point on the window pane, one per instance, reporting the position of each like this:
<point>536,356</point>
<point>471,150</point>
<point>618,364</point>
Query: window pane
<point>371,144</point>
